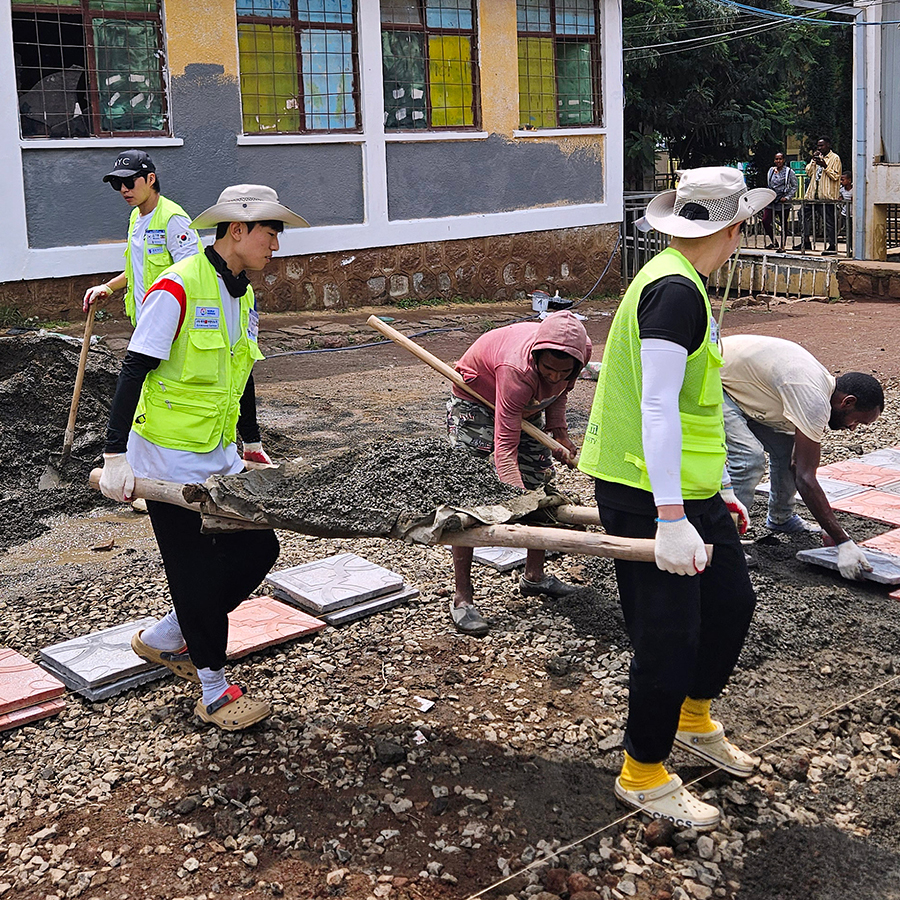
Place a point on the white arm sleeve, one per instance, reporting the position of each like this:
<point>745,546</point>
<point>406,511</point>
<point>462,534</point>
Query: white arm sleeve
<point>181,240</point>
<point>662,365</point>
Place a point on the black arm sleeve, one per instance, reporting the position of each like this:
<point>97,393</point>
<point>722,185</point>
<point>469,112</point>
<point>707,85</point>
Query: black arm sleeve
<point>128,391</point>
<point>247,424</point>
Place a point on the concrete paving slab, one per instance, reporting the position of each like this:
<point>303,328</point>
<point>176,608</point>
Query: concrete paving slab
<point>878,505</point>
<point>856,472</point>
<point>18,717</point>
<point>888,457</point>
<point>264,621</point>
<point>893,488</point>
<point>503,559</point>
<point>99,658</point>
<point>833,489</point>
<point>889,542</point>
<point>110,688</point>
<point>326,585</point>
<point>24,683</point>
<point>370,607</point>
<point>885,566</point>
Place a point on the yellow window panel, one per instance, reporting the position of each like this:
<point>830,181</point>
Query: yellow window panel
<point>269,84</point>
<point>537,83</point>
<point>450,80</point>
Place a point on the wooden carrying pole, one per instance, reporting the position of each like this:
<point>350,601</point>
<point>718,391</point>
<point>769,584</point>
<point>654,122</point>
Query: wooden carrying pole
<point>454,376</point>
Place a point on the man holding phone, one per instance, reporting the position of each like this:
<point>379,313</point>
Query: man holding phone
<point>823,173</point>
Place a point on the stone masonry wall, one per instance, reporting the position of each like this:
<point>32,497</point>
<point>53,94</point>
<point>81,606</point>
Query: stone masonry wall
<point>504,267</point>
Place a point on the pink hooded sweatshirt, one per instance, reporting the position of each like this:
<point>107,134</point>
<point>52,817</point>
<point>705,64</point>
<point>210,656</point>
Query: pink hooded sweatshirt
<point>501,367</point>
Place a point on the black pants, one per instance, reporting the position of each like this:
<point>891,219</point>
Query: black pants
<point>810,212</point>
<point>687,632</point>
<point>209,575</point>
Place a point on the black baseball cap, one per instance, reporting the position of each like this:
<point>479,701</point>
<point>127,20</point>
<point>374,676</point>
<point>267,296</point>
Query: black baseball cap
<point>131,162</point>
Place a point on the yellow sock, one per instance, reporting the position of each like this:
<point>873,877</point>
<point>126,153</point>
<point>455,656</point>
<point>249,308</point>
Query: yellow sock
<point>695,716</point>
<point>638,776</point>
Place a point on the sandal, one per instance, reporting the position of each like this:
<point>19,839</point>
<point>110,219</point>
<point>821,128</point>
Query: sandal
<point>713,747</point>
<point>234,710</point>
<point>674,802</point>
<point>178,661</point>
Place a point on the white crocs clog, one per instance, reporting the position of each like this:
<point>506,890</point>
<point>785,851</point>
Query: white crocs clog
<point>674,802</point>
<point>713,747</point>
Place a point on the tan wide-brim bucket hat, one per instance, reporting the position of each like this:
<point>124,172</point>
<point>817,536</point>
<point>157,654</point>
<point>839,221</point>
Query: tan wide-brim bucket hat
<point>705,201</point>
<point>248,203</point>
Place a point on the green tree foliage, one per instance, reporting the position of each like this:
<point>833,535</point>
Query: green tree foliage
<point>733,98</point>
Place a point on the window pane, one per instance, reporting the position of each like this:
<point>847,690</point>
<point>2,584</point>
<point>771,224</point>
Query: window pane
<point>124,5</point>
<point>537,85</point>
<point>327,61</point>
<point>533,15</point>
<point>280,9</point>
<point>575,17</point>
<point>338,11</point>
<point>448,14</point>
<point>403,54</point>
<point>450,76</point>
<point>573,83</point>
<point>269,85</point>
<point>400,12</point>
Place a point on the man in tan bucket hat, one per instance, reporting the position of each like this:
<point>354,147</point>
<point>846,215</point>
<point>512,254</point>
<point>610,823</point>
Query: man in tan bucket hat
<point>655,445</point>
<point>185,389</point>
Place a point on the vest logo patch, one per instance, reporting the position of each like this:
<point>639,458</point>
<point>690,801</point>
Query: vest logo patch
<point>156,236</point>
<point>151,251</point>
<point>206,317</point>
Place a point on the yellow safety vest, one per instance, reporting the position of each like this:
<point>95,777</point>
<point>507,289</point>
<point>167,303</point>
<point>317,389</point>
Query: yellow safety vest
<point>613,446</point>
<point>191,401</point>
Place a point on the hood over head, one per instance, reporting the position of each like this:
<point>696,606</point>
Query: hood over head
<point>563,331</point>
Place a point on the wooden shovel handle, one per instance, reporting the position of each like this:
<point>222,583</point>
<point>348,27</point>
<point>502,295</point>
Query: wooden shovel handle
<point>69,436</point>
<point>457,379</point>
<point>152,489</point>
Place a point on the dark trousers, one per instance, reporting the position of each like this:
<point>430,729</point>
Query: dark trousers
<point>686,632</point>
<point>811,211</point>
<point>209,575</point>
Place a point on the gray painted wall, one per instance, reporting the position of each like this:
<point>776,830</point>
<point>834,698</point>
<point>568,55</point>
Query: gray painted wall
<point>68,204</point>
<point>456,178</point>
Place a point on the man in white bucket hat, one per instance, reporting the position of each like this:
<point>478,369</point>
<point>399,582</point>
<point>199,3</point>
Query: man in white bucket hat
<point>185,389</point>
<point>655,446</point>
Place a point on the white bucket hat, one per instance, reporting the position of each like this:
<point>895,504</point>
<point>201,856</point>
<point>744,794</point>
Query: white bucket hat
<point>248,203</point>
<point>705,201</point>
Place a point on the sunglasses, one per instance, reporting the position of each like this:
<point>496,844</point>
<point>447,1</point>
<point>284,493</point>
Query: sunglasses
<point>116,183</point>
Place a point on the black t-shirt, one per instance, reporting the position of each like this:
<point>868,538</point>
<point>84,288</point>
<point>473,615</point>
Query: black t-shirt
<point>670,309</point>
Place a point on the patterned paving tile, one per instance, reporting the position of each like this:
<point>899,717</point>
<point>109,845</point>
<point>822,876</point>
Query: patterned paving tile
<point>888,457</point>
<point>26,714</point>
<point>500,558</point>
<point>108,688</point>
<point>894,595</point>
<point>833,489</point>
<point>263,621</point>
<point>856,472</point>
<point>889,542</point>
<point>24,683</point>
<point>326,585</point>
<point>370,607</point>
<point>885,566</point>
<point>878,505</point>
<point>100,658</point>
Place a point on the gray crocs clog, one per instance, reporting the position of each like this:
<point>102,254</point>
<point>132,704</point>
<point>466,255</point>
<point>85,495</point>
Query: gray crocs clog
<point>467,620</point>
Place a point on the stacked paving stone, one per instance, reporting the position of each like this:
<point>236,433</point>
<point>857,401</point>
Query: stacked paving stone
<point>27,692</point>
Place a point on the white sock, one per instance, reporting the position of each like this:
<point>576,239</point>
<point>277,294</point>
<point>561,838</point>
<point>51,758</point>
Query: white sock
<point>165,634</point>
<point>213,683</point>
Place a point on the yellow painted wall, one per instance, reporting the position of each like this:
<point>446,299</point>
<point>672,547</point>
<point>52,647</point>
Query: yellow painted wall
<point>204,33</point>
<point>499,61</point>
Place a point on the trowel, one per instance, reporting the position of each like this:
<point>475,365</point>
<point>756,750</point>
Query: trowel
<point>51,475</point>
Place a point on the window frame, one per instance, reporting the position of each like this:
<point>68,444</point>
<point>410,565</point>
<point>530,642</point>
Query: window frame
<point>297,26</point>
<point>423,28</point>
<point>596,41</point>
<point>92,84</point>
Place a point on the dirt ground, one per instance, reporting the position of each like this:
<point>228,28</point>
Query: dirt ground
<point>821,668</point>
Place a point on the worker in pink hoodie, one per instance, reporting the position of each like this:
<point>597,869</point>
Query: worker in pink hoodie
<point>525,370</point>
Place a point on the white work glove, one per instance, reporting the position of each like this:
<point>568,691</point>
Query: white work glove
<point>253,452</point>
<point>852,561</point>
<point>117,479</point>
<point>679,548</point>
<point>92,294</point>
<point>736,508</point>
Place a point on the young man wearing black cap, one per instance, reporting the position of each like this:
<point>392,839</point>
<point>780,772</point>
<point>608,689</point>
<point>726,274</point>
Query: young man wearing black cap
<point>185,390</point>
<point>159,232</point>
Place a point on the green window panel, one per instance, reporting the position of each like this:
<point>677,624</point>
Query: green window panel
<point>450,76</point>
<point>403,61</point>
<point>269,82</point>
<point>537,87</point>
<point>401,12</point>
<point>574,85</point>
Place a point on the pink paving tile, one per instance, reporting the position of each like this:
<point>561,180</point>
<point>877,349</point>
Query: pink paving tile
<point>859,473</point>
<point>31,713</point>
<point>23,683</point>
<point>895,595</point>
<point>877,505</point>
<point>889,542</point>
<point>263,621</point>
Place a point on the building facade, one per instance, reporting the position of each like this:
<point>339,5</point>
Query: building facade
<point>437,147</point>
